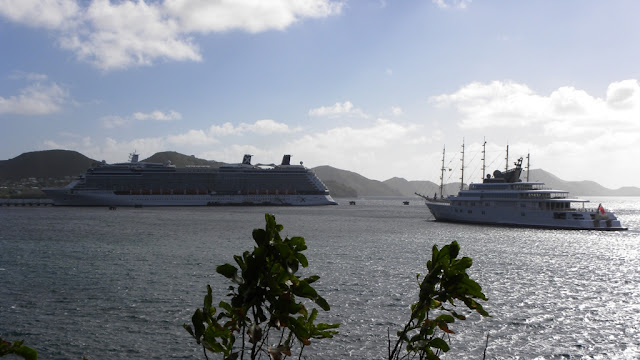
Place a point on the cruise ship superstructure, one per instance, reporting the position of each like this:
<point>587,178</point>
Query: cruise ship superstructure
<point>137,183</point>
<point>504,199</point>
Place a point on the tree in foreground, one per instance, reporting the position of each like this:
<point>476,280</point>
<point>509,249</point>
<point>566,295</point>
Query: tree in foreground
<point>263,316</point>
<point>446,285</point>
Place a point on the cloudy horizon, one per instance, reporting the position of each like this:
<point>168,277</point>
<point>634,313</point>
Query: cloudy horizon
<point>378,88</point>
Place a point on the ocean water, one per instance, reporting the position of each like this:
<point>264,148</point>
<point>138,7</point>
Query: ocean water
<point>90,282</point>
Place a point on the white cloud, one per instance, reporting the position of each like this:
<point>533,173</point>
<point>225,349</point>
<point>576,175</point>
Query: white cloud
<point>38,98</point>
<point>376,151</point>
<point>136,33</point>
<point>50,14</point>
<point>113,121</point>
<point>113,36</point>
<point>192,137</point>
<point>158,115</point>
<point>20,75</point>
<point>458,4</point>
<point>495,104</point>
<point>624,95</point>
<point>396,110</point>
<point>566,112</point>
<point>266,127</point>
<point>338,109</point>
<point>568,131</point>
<point>223,130</point>
<point>200,137</point>
<point>262,127</point>
<point>252,16</point>
<point>211,136</point>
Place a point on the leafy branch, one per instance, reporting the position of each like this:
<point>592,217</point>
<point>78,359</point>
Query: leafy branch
<point>16,348</point>
<point>445,285</point>
<point>263,309</point>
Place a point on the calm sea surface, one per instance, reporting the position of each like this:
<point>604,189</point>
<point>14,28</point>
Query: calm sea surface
<point>119,284</point>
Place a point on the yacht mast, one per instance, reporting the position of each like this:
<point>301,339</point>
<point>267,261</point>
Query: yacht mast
<point>442,173</point>
<point>506,164</point>
<point>484,156</point>
<point>528,167</point>
<point>462,167</point>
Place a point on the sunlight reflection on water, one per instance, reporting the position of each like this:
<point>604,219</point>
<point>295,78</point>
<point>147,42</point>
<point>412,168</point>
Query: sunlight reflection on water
<point>120,284</point>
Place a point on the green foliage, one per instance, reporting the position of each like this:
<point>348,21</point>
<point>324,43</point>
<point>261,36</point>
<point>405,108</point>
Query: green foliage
<point>263,308</point>
<point>445,285</point>
<point>16,348</point>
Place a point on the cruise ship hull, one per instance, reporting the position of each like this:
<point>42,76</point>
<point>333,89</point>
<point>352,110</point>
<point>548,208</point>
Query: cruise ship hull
<point>66,197</point>
<point>162,184</point>
<point>570,220</point>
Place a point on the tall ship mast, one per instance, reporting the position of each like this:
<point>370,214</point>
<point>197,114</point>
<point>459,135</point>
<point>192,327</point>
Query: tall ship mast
<point>442,170</point>
<point>484,157</point>
<point>462,167</point>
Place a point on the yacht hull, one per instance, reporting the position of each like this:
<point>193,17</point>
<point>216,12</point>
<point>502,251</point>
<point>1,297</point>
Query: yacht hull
<point>510,216</point>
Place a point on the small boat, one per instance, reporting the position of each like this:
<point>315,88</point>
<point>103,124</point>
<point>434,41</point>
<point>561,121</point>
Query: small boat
<point>352,202</point>
<point>405,203</point>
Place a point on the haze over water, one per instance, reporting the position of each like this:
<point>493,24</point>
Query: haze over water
<point>119,284</point>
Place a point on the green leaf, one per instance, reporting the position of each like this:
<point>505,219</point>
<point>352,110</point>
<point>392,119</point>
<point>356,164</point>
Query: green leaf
<point>197,319</point>
<point>454,249</point>
<point>302,259</point>
<point>458,316</point>
<point>189,329</point>
<point>446,318</point>
<point>460,265</point>
<point>439,344</point>
<point>303,289</point>
<point>284,250</point>
<point>208,299</point>
<point>324,305</point>
<point>298,329</point>
<point>26,352</point>
<point>260,237</point>
<point>298,243</point>
<point>227,270</point>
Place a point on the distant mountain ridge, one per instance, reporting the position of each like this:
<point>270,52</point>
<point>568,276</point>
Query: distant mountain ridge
<point>341,183</point>
<point>180,160</point>
<point>45,164</point>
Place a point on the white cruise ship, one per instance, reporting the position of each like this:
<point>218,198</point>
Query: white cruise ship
<point>505,200</point>
<point>139,183</point>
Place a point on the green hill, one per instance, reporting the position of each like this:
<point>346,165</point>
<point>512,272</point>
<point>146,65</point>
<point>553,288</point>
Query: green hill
<point>426,188</point>
<point>45,164</point>
<point>357,182</point>
<point>180,160</point>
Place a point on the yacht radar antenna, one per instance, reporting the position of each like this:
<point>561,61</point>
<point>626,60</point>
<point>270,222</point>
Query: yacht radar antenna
<point>133,157</point>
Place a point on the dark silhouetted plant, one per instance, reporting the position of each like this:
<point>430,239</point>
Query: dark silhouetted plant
<point>263,312</point>
<point>16,348</point>
<point>445,285</point>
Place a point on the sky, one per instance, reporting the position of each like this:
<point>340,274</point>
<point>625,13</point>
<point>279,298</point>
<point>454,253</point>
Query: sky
<point>377,87</point>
